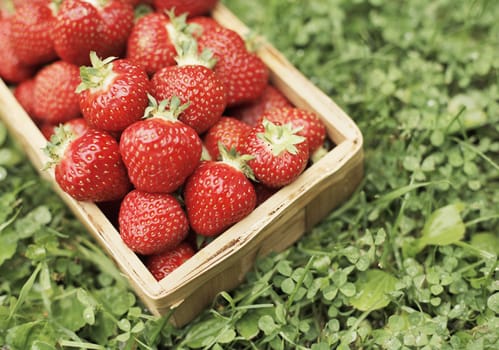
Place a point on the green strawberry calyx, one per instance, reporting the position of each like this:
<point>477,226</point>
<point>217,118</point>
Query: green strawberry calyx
<point>54,6</point>
<point>178,28</point>
<point>98,76</point>
<point>59,142</point>
<point>168,109</point>
<point>99,4</point>
<point>189,55</point>
<point>236,160</point>
<point>281,138</point>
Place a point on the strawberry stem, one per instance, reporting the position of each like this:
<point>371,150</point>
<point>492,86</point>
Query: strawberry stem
<point>168,109</point>
<point>188,54</point>
<point>98,76</point>
<point>281,137</point>
<point>236,160</point>
<point>54,6</point>
<point>59,141</point>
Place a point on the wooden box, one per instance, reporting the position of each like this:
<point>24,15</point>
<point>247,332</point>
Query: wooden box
<point>273,226</point>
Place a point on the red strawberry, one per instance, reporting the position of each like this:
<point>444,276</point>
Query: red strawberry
<point>77,126</point>
<point>311,126</point>
<point>192,7</point>
<point>195,83</point>
<point>245,77</point>
<point>280,155</point>
<point>149,43</point>
<point>160,152</point>
<point>88,167</point>
<point>218,194</point>
<point>150,223</point>
<point>48,130</point>
<point>113,93</point>
<point>24,93</point>
<point>31,26</point>
<point>221,40</point>
<point>83,26</point>
<point>244,74</point>
<point>204,24</point>
<point>164,263</point>
<point>251,111</point>
<point>19,3</point>
<point>229,131</point>
<point>12,70</point>
<point>56,100</point>
<point>263,192</point>
<point>132,2</point>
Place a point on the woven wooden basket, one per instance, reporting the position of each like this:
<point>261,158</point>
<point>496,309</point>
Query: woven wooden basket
<point>272,226</point>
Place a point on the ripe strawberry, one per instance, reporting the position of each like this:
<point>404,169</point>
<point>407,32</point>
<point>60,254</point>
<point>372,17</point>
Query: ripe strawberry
<point>88,167</point>
<point>220,40</point>
<point>218,194</point>
<point>204,24</point>
<point>113,93</point>
<point>24,93</point>
<point>244,74</point>
<point>19,3</point>
<point>150,223</point>
<point>263,192</point>
<point>311,126</point>
<point>132,2</point>
<point>30,36</point>
<point>77,126</point>
<point>149,43</point>
<point>192,7</point>
<point>56,100</point>
<point>251,111</point>
<point>164,263</point>
<point>280,155</point>
<point>192,81</point>
<point>82,26</point>
<point>229,131</point>
<point>160,152</point>
<point>12,70</point>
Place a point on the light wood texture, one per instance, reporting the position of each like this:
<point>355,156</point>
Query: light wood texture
<point>273,226</point>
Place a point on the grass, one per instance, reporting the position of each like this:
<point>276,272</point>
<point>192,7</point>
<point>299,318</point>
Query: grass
<point>410,261</point>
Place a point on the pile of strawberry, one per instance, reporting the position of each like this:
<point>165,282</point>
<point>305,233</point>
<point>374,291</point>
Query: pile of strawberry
<point>169,116</point>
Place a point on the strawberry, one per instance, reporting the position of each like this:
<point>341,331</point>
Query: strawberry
<point>48,130</point>
<point>113,93</point>
<point>280,155</point>
<point>149,43</point>
<point>244,74</point>
<point>263,192</point>
<point>56,100</point>
<point>24,93</point>
<point>250,112</point>
<point>154,39</point>
<point>160,152</point>
<point>88,167</point>
<point>219,193</point>
<point>77,126</point>
<point>229,131</point>
<point>192,81</point>
<point>82,26</point>
<point>19,3</point>
<point>150,223</point>
<point>192,7</point>
<point>30,36</point>
<point>220,40</point>
<point>203,24</point>
<point>311,125</point>
<point>12,70</point>
<point>164,263</point>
